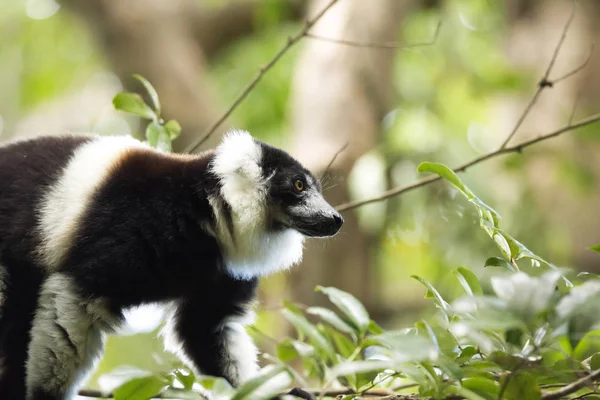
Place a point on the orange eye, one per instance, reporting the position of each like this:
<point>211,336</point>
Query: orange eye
<point>299,185</point>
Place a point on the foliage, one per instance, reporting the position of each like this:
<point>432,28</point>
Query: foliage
<point>159,134</point>
<point>529,334</point>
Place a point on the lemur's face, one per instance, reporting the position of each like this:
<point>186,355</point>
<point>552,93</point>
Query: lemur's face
<point>255,177</point>
<point>295,196</point>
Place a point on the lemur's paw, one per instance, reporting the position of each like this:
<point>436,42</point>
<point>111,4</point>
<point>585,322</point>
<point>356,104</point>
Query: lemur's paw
<point>298,393</point>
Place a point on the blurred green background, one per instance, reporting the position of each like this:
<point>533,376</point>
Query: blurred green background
<point>62,62</point>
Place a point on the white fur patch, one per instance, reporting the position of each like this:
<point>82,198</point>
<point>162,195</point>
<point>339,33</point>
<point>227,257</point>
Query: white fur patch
<point>252,250</point>
<point>67,337</point>
<point>241,358</point>
<point>65,201</point>
<point>240,354</point>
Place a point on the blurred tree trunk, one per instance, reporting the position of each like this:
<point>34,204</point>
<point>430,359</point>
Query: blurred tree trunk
<point>167,42</point>
<point>340,95</point>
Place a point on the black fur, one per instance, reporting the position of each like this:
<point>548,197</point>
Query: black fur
<point>143,238</point>
<point>26,168</point>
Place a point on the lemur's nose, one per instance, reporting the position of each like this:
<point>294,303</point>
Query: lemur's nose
<point>338,220</point>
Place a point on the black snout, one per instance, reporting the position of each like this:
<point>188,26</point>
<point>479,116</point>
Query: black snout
<point>321,225</point>
<point>338,221</point>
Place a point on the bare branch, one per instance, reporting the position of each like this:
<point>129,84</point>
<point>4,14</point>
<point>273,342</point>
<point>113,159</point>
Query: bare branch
<point>291,41</point>
<point>375,45</point>
<point>518,148</point>
<point>572,387</point>
<point>576,70</point>
<point>335,156</point>
<point>544,82</point>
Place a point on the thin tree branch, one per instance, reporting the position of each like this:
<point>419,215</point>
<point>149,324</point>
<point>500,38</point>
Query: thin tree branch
<point>544,82</point>
<point>375,45</point>
<point>576,70</point>
<point>335,156</point>
<point>573,387</point>
<point>291,41</point>
<point>518,148</point>
<point>96,394</point>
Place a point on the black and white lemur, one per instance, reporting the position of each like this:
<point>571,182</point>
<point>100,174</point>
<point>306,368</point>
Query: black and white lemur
<point>90,226</point>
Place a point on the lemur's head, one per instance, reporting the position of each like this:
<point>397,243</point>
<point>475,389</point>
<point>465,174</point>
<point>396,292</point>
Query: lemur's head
<point>265,185</point>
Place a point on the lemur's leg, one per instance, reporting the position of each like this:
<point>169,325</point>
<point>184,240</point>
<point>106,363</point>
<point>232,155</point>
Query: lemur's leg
<point>66,339</point>
<point>213,340</point>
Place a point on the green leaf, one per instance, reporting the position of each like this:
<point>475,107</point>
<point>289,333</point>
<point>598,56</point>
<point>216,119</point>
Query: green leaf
<point>595,362</point>
<point>499,262</point>
<point>522,385</point>
<point>448,175</point>
<point>292,307</point>
<point>464,392</point>
<point>151,92</point>
<point>173,129</point>
<point>374,328</point>
<point>484,387</point>
<point>350,306</point>
<point>331,318</point>
<point>469,281</point>
<point>595,248</point>
<point>286,351</point>
<point>434,294</point>
<point>308,329</point>
<point>140,388</point>
<point>186,378</point>
<point>248,390</point>
<point>133,104</point>
<point>587,275</point>
<point>466,354</point>
<point>158,137</point>
<point>343,344</point>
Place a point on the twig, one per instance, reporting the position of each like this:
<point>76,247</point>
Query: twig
<point>572,387</point>
<point>335,156</point>
<point>576,70</point>
<point>376,45</point>
<point>91,393</point>
<point>518,148</point>
<point>544,82</point>
<point>291,41</point>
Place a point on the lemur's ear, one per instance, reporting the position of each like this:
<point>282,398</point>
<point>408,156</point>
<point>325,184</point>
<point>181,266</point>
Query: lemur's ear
<point>238,155</point>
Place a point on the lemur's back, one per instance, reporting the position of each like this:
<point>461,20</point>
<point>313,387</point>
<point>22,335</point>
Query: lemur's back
<point>27,168</point>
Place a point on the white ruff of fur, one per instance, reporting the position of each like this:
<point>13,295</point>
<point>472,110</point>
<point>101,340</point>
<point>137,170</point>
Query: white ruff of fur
<point>253,251</point>
<point>65,201</point>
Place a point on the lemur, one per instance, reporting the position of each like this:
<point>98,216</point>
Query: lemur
<point>91,226</point>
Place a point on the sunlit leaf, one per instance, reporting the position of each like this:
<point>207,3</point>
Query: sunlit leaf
<point>350,306</point>
<point>433,293</point>
<point>375,328</point>
<point>448,175</point>
<point>344,346</point>
<point>173,129</point>
<point>466,354</point>
<point>486,388</point>
<point>588,275</point>
<point>140,388</point>
<point>331,318</point>
<point>595,248</point>
<point>468,281</point>
<point>151,92</point>
<point>304,326</point>
<point>465,393</point>
<point>499,262</point>
<point>133,104</point>
<point>248,391</point>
